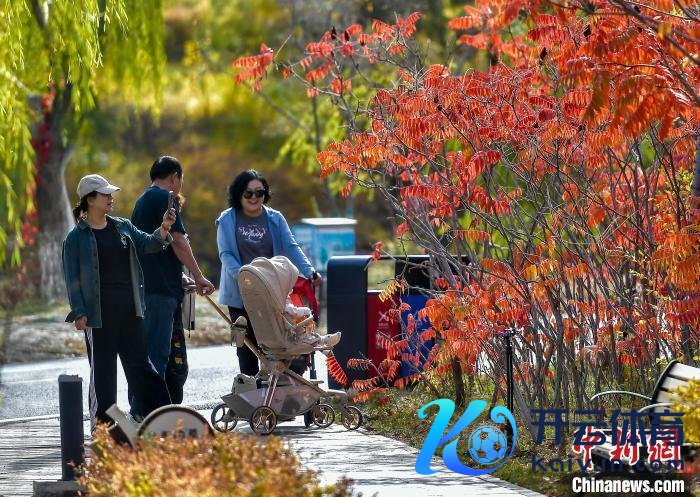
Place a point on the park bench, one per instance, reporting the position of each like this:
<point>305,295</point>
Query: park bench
<point>661,399</point>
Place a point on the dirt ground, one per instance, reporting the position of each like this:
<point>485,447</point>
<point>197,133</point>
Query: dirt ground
<point>45,335</point>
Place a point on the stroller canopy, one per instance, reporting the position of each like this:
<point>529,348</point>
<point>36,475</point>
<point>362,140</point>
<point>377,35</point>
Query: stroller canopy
<point>278,274</point>
<point>265,285</point>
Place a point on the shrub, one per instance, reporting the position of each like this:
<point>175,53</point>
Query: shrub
<point>226,465</point>
<point>688,402</point>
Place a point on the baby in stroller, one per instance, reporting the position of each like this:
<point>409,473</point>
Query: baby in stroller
<point>283,332</point>
<point>301,326</point>
<point>298,320</point>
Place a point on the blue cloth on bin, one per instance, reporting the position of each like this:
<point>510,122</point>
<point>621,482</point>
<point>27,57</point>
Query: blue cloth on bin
<point>417,302</point>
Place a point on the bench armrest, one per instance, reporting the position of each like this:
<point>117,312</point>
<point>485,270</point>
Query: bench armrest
<point>610,392</point>
<point>654,406</point>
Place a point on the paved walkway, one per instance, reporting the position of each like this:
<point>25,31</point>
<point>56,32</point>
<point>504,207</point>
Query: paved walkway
<point>30,451</point>
<point>384,466</point>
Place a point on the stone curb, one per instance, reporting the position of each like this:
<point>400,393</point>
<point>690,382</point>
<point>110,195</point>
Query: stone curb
<point>57,489</point>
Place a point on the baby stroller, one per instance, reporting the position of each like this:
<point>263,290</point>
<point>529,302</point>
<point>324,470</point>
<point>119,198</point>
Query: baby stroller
<point>276,393</point>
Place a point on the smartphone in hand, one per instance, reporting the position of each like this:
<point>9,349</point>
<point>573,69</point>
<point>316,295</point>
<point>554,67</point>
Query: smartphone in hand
<point>171,200</point>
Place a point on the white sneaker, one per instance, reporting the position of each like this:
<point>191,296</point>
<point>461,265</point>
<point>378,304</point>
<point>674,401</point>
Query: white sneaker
<point>315,340</point>
<point>308,338</point>
<point>329,341</point>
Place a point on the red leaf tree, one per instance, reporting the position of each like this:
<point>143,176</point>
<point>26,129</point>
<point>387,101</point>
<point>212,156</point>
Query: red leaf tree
<point>562,173</point>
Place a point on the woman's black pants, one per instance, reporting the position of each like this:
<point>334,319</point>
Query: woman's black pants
<point>122,334</point>
<point>247,361</point>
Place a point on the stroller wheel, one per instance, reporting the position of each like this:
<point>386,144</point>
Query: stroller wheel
<point>263,420</point>
<point>351,417</point>
<point>322,415</point>
<point>222,419</point>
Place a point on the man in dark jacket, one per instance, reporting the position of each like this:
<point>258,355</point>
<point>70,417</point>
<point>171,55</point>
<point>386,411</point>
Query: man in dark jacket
<point>163,277</point>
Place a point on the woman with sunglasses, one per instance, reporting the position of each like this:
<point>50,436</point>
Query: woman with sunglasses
<point>246,230</point>
<point>105,292</point>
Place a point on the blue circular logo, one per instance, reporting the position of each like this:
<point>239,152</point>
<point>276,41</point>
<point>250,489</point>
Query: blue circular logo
<point>487,444</point>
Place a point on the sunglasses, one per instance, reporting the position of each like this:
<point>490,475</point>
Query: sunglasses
<point>256,193</point>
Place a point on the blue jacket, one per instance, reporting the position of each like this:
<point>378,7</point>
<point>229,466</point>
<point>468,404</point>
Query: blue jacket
<point>283,243</point>
<point>81,268</point>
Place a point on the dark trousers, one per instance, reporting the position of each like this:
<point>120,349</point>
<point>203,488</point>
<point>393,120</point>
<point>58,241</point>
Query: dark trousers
<point>122,334</point>
<point>167,348</point>
<point>247,361</point>
<point>177,369</point>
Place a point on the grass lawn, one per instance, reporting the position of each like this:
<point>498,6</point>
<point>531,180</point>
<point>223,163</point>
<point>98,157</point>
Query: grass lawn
<point>396,416</point>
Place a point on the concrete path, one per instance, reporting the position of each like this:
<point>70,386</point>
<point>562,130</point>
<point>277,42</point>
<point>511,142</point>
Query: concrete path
<point>30,451</point>
<point>383,466</point>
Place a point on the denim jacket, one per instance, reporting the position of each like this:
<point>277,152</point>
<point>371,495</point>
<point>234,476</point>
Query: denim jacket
<point>81,268</point>
<point>283,243</point>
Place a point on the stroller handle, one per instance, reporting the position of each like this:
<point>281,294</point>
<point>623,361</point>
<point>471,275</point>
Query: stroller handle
<point>218,309</point>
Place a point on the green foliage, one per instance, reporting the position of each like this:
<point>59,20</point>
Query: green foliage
<point>300,147</point>
<point>118,68</point>
<point>133,56</point>
<point>217,129</point>
<point>75,51</point>
<point>16,156</point>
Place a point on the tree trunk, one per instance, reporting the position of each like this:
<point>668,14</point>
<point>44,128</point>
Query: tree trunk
<point>525,412</point>
<point>694,204</point>
<point>460,399</point>
<point>686,338</point>
<point>5,336</point>
<point>55,217</point>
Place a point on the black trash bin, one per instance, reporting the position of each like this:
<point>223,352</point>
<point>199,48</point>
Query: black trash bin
<point>355,310</point>
<point>358,313</point>
<point>414,269</point>
<point>346,298</point>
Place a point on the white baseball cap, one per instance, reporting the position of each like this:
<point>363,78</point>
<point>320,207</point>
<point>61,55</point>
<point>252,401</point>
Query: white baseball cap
<point>95,183</point>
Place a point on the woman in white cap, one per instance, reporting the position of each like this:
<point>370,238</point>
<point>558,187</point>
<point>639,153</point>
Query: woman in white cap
<point>105,291</point>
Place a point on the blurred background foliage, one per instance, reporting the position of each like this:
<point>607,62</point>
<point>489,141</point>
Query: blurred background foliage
<point>217,129</point>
